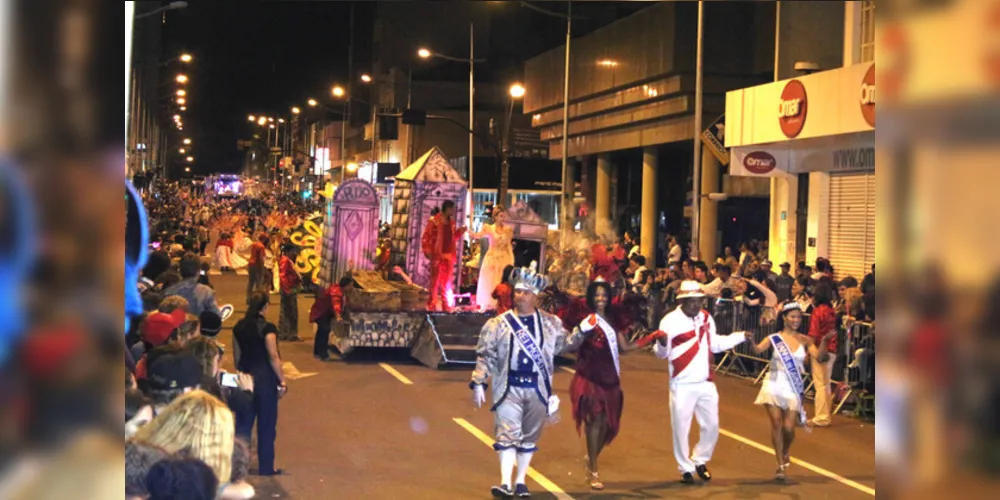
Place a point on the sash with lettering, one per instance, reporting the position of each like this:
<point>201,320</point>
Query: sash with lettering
<point>528,345</point>
<point>612,337</point>
<point>788,362</point>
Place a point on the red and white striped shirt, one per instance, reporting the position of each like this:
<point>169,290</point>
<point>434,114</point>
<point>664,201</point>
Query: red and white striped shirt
<point>689,344</point>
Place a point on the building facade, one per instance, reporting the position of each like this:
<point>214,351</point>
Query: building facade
<point>817,146</point>
<point>631,112</point>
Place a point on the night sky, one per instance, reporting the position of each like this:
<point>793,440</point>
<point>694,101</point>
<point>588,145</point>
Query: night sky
<point>255,58</point>
<point>264,57</point>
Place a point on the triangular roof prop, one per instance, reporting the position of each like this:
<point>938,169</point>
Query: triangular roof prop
<point>433,166</point>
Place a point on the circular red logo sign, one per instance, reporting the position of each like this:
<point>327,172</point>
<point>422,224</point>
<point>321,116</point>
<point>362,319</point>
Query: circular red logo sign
<point>760,162</point>
<point>868,96</point>
<point>792,109</point>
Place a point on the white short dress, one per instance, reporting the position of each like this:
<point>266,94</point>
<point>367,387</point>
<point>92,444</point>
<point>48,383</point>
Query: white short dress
<point>777,389</point>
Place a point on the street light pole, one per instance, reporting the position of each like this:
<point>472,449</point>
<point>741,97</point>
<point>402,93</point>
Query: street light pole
<point>569,187</point>
<point>472,125</point>
<point>698,98</point>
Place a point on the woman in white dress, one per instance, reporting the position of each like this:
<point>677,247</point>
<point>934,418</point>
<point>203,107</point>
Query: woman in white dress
<point>499,255</point>
<point>778,395</point>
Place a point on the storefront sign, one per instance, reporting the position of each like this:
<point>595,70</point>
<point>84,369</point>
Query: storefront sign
<point>715,138</point>
<point>793,109</point>
<point>760,162</point>
<point>821,105</point>
<point>868,96</point>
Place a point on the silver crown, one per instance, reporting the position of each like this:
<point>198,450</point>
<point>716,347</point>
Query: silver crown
<point>527,278</point>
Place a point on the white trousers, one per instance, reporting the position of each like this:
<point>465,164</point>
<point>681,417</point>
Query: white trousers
<point>699,400</point>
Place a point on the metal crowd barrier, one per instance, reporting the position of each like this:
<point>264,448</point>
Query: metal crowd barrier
<point>854,371</point>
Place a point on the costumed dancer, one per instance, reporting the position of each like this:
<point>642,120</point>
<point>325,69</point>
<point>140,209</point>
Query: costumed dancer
<point>688,342</point>
<point>439,243</point>
<point>782,392</point>
<point>596,391</point>
<point>499,255</point>
<point>516,350</point>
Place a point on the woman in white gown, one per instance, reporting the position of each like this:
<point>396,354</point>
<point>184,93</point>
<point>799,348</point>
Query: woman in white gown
<point>499,255</point>
<point>778,395</point>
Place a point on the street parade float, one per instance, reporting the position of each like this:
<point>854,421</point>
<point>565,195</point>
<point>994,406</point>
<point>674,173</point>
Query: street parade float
<point>392,314</point>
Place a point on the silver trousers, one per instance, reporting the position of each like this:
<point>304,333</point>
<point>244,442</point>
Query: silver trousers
<point>519,420</point>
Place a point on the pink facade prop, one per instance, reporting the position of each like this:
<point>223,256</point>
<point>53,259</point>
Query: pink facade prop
<point>420,188</point>
<point>530,233</point>
<point>350,235</point>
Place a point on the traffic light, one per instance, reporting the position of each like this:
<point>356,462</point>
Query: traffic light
<point>388,128</point>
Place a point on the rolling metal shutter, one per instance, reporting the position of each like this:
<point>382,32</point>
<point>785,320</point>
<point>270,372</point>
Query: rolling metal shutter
<point>852,223</point>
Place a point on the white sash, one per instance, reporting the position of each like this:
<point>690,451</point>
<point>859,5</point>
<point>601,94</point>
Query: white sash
<point>788,362</point>
<point>528,345</point>
<point>612,337</point>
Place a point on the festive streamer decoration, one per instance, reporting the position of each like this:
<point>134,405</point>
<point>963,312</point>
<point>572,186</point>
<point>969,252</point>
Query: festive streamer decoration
<point>136,251</point>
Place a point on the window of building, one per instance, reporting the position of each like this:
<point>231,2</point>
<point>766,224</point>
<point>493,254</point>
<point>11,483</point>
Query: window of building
<point>868,31</point>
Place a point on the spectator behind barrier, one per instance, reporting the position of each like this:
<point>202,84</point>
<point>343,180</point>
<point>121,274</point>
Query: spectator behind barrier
<point>181,479</point>
<point>139,459</point>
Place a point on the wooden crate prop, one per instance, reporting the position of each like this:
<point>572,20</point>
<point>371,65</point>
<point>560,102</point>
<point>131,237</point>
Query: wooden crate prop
<point>412,297</point>
<point>372,293</point>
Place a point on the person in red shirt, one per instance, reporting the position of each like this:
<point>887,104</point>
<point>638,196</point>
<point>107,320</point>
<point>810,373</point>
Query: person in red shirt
<point>255,268</point>
<point>289,279</point>
<point>439,244</point>
<point>822,320</point>
<point>331,302</point>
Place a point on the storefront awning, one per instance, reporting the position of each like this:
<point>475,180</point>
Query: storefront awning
<point>838,153</point>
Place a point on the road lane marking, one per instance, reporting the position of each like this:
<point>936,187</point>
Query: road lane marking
<point>805,465</point>
<point>290,372</point>
<point>570,370</point>
<point>399,376</point>
<point>532,473</point>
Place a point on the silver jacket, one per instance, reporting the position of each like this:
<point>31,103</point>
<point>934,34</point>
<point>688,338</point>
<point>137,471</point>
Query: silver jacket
<point>494,351</point>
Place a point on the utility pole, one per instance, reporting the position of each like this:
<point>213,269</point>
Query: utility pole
<point>698,98</point>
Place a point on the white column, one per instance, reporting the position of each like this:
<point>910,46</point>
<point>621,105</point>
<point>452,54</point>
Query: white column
<point>852,33</point>
<point>708,239</point>
<point>783,219</point>
<point>602,203</point>
<point>818,221</point>
<point>647,226</point>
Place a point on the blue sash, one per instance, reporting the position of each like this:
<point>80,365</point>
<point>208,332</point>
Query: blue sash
<point>792,371</point>
<point>528,345</point>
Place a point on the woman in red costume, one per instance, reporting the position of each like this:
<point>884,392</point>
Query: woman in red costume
<point>596,391</point>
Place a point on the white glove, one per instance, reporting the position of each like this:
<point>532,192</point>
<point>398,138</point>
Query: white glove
<point>478,396</point>
<point>588,323</point>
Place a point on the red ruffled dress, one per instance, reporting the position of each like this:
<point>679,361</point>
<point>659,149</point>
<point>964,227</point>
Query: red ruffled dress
<point>596,387</point>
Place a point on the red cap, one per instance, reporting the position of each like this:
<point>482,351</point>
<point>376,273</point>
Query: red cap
<point>158,326</point>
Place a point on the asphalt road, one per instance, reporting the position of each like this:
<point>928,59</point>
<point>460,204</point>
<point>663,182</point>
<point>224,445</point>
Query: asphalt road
<point>383,426</point>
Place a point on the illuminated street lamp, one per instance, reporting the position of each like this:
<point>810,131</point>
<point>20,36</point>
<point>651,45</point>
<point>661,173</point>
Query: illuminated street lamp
<point>186,58</point>
<point>182,78</point>
<point>312,103</point>
<point>190,159</point>
<point>182,92</point>
<point>251,118</point>
<point>177,117</point>
<point>337,91</point>
<point>366,78</point>
<point>182,151</point>
<point>296,110</point>
<point>271,125</point>
<point>187,142</point>
<point>352,167</point>
<point>262,121</point>
<point>281,120</point>
<point>184,108</point>
<point>181,100</point>
<point>270,119</point>
<point>424,53</point>
<point>517,91</point>
<point>187,169</point>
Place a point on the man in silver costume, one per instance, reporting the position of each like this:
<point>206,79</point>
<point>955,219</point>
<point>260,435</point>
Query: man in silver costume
<point>516,349</point>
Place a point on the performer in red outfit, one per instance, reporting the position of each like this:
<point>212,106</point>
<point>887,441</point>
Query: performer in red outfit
<point>329,307</point>
<point>504,293</point>
<point>439,243</point>
<point>596,391</point>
